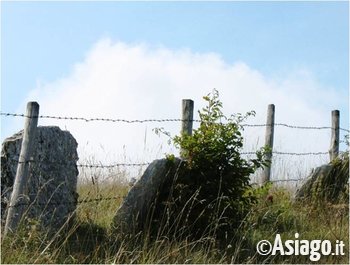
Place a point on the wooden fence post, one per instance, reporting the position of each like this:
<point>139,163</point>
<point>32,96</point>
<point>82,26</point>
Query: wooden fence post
<point>270,125</point>
<point>18,200</point>
<point>187,117</point>
<point>334,148</point>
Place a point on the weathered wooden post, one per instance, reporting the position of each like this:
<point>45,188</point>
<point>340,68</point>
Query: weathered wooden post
<point>18,200</point>
<point>270,125</point>
<point>187,118</point>
<point>334,148</point>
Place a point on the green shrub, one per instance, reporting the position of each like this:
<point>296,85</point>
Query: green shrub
<point>212,194</point>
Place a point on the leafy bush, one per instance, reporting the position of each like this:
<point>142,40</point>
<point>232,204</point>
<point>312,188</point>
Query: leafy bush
<point>212,195</point>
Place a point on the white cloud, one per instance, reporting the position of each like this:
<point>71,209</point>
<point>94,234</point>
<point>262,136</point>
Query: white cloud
<point>118,80</point>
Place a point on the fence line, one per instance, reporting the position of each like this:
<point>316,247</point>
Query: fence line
<point>148,163</point>
<point>7,114</point>
<point>86,165</point>
<point>66,203</point>
<point>187,120</point>
<point>83,201</point>
<point>31,117</point>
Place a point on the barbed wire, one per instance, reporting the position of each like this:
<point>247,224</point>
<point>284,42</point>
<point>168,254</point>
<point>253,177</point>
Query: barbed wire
<point>83,201</point>
<point>114,165</point>
<point>148,163</point>
<point>95,119</point>
<point>65,203</point>
<point>100,199</point>
<point>162,120</point>
<point>288,153</point>
<point>300,154</point>
<point>291,126</point>
<point>285,180</point>
<point>92,200</point>
<point>279,180</point>
<point>82,165</point>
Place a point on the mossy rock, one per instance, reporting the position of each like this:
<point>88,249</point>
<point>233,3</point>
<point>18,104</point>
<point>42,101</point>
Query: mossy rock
<point>138,206</point>
<point>327,183</point>
<point>174,201</point>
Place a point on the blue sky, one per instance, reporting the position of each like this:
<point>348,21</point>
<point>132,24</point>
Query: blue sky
<point>42,40</point>
<point>284,47</point>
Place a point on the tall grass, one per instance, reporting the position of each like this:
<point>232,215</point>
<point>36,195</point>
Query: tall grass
<point>90,239</point>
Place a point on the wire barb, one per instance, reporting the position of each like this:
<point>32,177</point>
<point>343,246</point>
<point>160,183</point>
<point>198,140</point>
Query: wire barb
<point>148,163</point>
<point>66,203</point>
<point>161,120</point>
<point>85,165</point>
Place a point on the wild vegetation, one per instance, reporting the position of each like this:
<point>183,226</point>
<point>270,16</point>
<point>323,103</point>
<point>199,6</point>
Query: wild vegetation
<point>229,215</point>
<point>90,239</point>
<point>211,195</point>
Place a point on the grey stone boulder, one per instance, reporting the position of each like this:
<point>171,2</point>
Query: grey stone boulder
<point>313,181</point>
<point>52,183</point>
<point>328,183</point>
<point>174,200</point>
<point>137,207</point>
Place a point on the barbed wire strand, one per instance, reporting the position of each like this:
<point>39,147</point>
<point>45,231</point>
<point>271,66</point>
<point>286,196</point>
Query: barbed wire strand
<point>83,165</point>
<point>83,201</point>
<point>161,120</point>
<point>148,163</point>
<point>280,180</point>
<point>285,180</point>
<point>67,203</point>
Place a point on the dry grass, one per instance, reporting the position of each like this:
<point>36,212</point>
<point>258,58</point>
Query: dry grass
<point>90,240</point>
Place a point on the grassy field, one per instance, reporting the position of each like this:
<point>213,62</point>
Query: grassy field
<point>90,240</point>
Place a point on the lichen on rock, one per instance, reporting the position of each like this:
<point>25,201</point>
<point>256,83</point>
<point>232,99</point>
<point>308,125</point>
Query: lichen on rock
<point>51,188</point>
